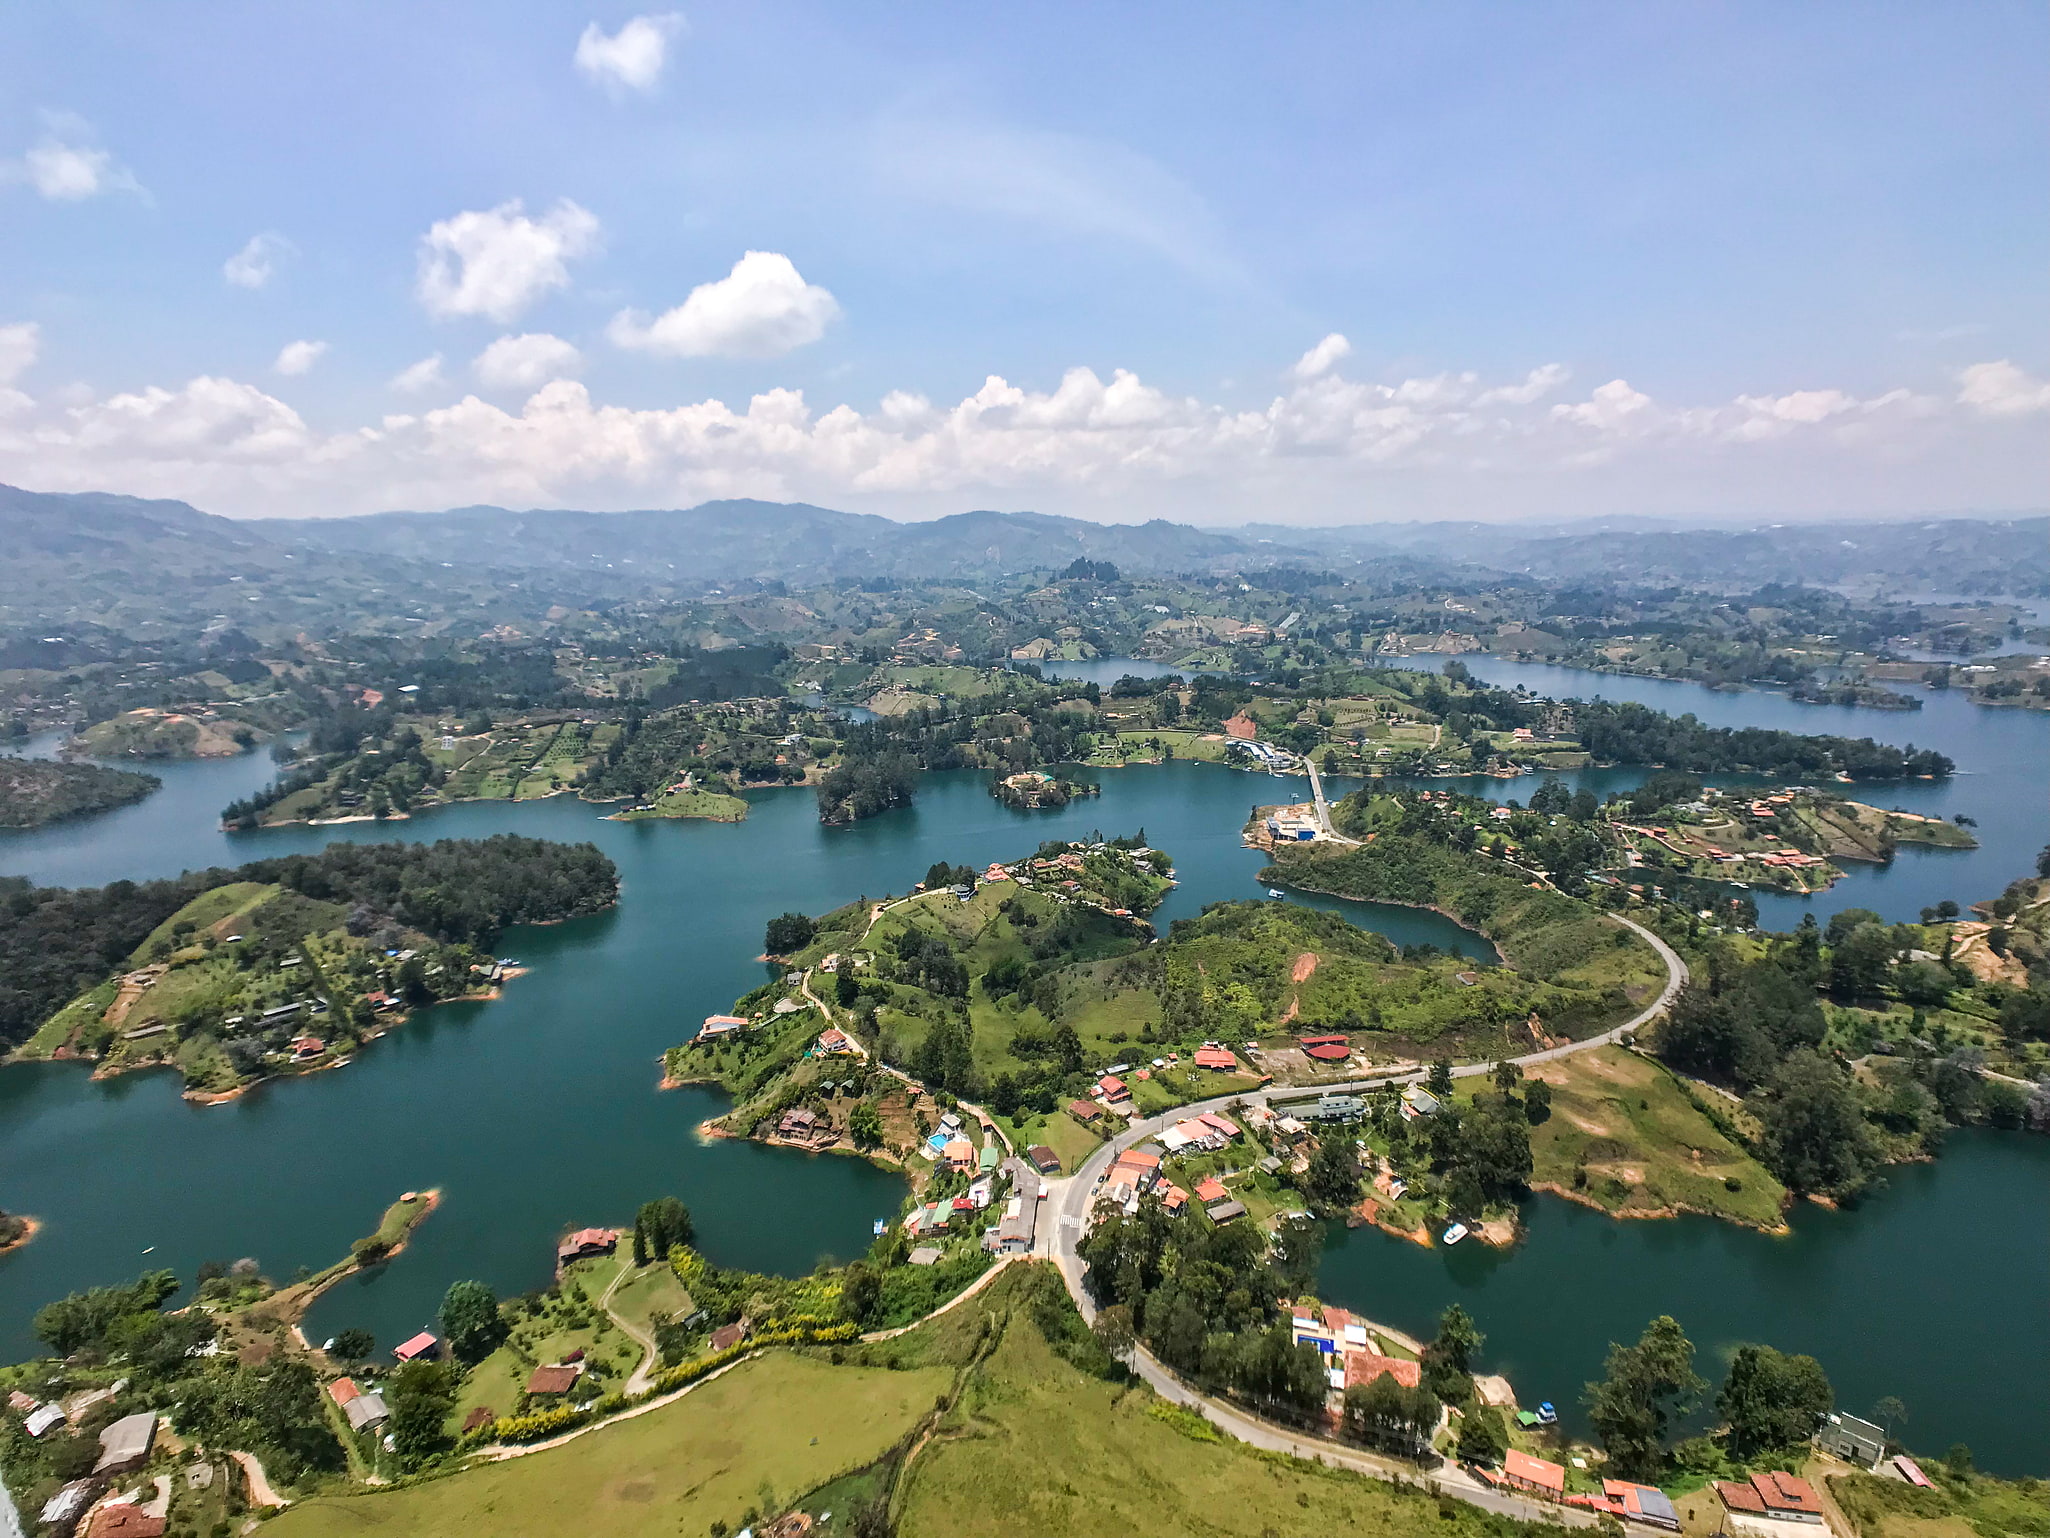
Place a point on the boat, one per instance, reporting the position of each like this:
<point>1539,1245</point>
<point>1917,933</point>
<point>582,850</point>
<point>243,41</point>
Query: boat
<point>1546,1415</point>
<point>1455,1233</point>
<point>1273,892</point>
<point>881,1224</point>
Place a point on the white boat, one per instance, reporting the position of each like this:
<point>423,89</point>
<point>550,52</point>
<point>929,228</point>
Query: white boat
<point>1455,1233</point>
<point>1271,892</point>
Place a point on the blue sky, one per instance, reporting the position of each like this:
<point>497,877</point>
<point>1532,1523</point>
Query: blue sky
<point>1697,260</point>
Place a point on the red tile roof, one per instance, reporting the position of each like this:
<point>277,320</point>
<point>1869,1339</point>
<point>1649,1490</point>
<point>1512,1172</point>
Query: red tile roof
<point>1210,1189</point>
<point>420,1345</point>
<point>552,1380</point>
<point>1215,1057</point>
<point>124,1519</point>
<point>1365,1366</point>
<point>1524,1469</point>
<point>1783,1492</point>
<point>342,1390</point>
<point>1739,1497</point>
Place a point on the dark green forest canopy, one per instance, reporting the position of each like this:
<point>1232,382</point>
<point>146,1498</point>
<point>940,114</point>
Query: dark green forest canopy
<point>34,791</point>
<point>57,941</point>
<point>1628,733</point>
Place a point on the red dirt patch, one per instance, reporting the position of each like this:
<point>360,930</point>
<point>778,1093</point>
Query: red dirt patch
<point>1305,964</point>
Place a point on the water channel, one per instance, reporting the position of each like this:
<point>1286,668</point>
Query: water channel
<point>540,1110</point>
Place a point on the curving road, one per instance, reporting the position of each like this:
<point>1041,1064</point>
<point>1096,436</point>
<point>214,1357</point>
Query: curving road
<point>1069,1202</point>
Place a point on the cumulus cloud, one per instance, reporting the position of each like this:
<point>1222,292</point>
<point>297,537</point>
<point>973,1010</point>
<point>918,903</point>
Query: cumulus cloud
<point>1537,384</point>
<point>19,344</point>
<point>522,362</point>
<point>1087,441</point>
<point>64,166</point>
<point>762,309</point>
<point>1322,358</point>
<point>253,265</point>
<point>296,358</point>
<point>496,262</point>
<point>417,377</point>
<point>2002,390</point>
<point>632,58</point>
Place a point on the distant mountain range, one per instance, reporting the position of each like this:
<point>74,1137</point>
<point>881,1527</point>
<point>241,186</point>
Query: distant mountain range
<point>115,559</point>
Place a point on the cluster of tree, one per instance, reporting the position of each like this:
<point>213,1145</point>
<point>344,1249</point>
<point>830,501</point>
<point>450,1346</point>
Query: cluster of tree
<point>1082,569</point>
<point>859,787</point>
<point>787,934</point>
<point>659,1226</point>
<point>1629,733</point>
<point>1769,1402</point>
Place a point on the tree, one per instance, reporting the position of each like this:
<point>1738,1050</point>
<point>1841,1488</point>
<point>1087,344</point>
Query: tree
<point>1814,1135</point>
<point>1537,1102</point>
<point>1482,1437</point>
<point>861,1289</point>
<point>1645,1387</point>
<point>1382,1412</point>
<point>1770,1400</point>
<point>1439,1082</point>
<point>787,932</point>
<point>865,1125</point>
<point>85,1319</point>
<point>353,1346</point>
<point>470,1321</point>
<point>846,987</point>
<point>1858,962</point>
<point>420,1397</point>
<point>1448,1357</point>
<point>1113,1331</point>
<point>1333,1178</point>
<point>667,1223</point>
<point>1891,1414</point>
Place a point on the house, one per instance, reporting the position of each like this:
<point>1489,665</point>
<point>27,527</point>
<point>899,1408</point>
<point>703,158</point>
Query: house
<point>1418,1101</point>
<point>720,1025</point>
<point>1113,1088</point>
<point>1326,1049</point>
<point>67,1502</point>
<point>40,1421</point>
<point>478,1418</point>
<point>365,1411</point>
<point>550,1381</point>
<point>586,1242</point>
<point>1016,1231</point>
<point>1778,1496</point>
<point>1224,1212</point>
<point>727,1336</point>
<point>304,1047</point>
<point>421,1346</point>
<point>1084,1111</point>
<point>1217,1059</point>
<point>1223,1125</point>
<point>1172,1197</point>
<point>986,1161</point>
<point>1210,1189</point>
<point>1533,1474</point>
<point>1144,1166</point>
<point>959,1154</point>
<point>124,1519</point>
<point>797,1122</point>
<point>1853,1440</point>
<point>125,1444</point>
<point>1641,1503</point>
<point>1337,1108</point>
<point>1044,1159</point>
<point>833,1042</point>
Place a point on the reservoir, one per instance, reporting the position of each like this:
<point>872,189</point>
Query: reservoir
<point>539,1111</point>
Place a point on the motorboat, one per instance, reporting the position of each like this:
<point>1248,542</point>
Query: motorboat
<point>1455,1233</point>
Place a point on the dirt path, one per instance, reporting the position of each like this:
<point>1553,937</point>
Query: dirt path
<point>641,1379</point>
<point>261,1491</point>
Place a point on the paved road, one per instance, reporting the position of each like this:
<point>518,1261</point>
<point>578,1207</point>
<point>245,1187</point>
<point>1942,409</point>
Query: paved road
<point>1068,1204</point>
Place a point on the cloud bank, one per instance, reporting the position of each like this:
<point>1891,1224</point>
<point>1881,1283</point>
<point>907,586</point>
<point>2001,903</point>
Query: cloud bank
<point>1327,447</point>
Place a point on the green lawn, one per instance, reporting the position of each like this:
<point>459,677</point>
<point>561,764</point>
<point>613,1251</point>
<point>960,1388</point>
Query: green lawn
<point>207,910</point>
<point>758,1437</point>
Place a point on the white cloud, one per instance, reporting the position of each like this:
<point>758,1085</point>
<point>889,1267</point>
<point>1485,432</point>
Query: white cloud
<point>762,309</point>
<point>253,265</point>
<point>19,344</point>
<point>64,166</point>
<point>1537,384</point>
<point>1322,358</point>
<point>1323,447</point>
<point>416,377</point>
<point>523,362</point>
<point>296,358</point>
<point>632,58</point>
<point>2002,390</point>
<point>496,262</point>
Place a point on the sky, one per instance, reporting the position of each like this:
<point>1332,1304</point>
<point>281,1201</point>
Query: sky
<point>1310,264</point>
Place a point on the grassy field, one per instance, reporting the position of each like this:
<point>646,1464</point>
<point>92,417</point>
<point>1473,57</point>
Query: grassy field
<point>1623,1135</point>
<point>756,1438</point>
<point>1967,1508</point>
<point>1036,1446</point>
<point>710,804</point>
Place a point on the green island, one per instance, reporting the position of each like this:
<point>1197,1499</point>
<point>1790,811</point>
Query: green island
<point>37,791</point>
<point>280,966</point>
<point>154,733</point>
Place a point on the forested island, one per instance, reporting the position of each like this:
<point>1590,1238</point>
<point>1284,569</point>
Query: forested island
<point>277,966</point>
<point>36,791</point>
